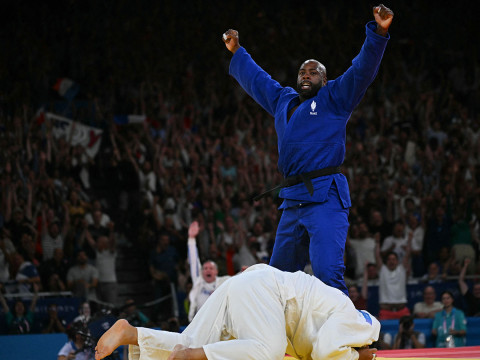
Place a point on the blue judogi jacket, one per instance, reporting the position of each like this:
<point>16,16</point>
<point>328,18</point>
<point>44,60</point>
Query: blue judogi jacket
<point>314,137</point>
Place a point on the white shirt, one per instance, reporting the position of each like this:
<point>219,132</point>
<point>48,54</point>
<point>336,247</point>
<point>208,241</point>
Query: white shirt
<point>423,307</point>
<point>49,244</point>
<point>417,239</point>
<point>392,287</point>
<point>105,264</point>
<point>364,252</point>
<point>104,220</point>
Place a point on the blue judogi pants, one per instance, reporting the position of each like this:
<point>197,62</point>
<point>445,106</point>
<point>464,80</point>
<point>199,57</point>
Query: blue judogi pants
<point>315,231</point>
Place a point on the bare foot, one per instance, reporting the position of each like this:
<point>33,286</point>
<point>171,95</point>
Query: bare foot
<point>121,333</point>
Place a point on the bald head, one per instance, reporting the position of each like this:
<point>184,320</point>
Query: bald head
<point>312,75</point>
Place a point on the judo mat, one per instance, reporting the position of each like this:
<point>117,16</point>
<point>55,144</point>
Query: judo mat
<point>460,353</point>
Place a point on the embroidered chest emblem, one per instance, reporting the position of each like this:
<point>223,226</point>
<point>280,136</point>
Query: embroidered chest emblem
<point>313,106</point>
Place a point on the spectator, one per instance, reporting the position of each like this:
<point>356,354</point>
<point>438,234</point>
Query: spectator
<point>397,241</point>
<point>418,232</point>
<point>19,321</point>
<point>359,299</point>
<point>6,251</point>
<point>104,218</point>
<point>84,314</point>
<point>82,278</point>
<point>471,296</point>
<point>163,269</point>
<point>25,274</point>
<point>133,315</point>
<point>378,223</point>
<point>204,277</point>
<point>75,206</point>
<point>433,275</point>
<point>437,235</point>
<point>105,256</point>
<point>372,271</point>
<point>54,324</point>
<point>449,325</point>
<point>228,235</point>
<point>95,231</point>
<point>146,177</point>
<point>75,348</point>
<point>461,235</point>
<point>16,224</point>
<point>392,287</point>
<point>407,337</point>
<point>53,234</point>
<point>247,253</point>
<point>54,272</point>
<point>363,246</point>
<point>428,307</point>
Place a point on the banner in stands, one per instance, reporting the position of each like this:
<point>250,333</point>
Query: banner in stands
<point>67,308</point>
<point>79,134</point>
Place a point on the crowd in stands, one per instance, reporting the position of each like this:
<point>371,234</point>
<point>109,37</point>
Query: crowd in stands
<point>205,149</point>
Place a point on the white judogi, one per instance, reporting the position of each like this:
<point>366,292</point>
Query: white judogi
<point>268,313</point>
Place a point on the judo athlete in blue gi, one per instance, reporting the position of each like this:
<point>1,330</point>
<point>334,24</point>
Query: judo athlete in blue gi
<point>311,128</point>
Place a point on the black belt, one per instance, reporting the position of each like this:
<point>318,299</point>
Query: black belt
<point>305,178</point>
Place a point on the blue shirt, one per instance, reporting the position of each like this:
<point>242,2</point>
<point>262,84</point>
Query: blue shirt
<point>443,322</point>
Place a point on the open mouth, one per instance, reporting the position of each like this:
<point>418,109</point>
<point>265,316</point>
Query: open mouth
<point>306,85</point>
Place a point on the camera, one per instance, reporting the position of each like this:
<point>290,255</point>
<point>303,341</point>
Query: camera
<point>406,322</point>
<point>81,329</point>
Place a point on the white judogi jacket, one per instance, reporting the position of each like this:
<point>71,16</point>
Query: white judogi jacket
<point>267,313</point>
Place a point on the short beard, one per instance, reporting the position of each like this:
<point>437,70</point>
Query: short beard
<point>308,93</point>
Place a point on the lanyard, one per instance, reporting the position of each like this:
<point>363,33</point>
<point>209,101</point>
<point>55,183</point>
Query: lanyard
<point>445,321</point>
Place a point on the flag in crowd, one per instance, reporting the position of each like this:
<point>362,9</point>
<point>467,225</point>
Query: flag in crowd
<point>66,88</point>
<point>79,134</point>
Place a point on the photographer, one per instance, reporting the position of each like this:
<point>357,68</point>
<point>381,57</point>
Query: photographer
<point>406,337</point>
<point>79,347</point>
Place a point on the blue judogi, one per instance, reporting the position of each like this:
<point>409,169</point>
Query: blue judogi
<point>313,226</point>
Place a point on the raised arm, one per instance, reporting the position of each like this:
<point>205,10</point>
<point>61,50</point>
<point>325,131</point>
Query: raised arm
<point>35,297</point>
<point>193,259</point>
<point>461,278</point>
<point>408,251</point>
<point>253,79</point>
<point>348,89</point>
<point>383,16</point>
<point>231,40</point>
<point>91,241</point>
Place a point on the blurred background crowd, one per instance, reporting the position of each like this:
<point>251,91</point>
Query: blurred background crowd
<point>199,148</point>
